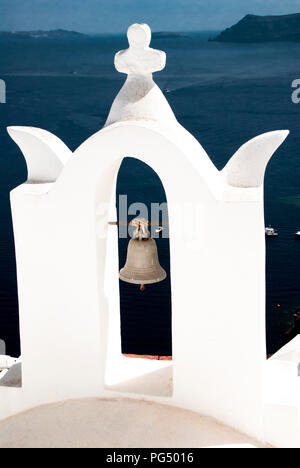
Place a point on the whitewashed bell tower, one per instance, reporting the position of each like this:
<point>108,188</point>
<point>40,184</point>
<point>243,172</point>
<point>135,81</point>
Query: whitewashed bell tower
<point>68,269</point>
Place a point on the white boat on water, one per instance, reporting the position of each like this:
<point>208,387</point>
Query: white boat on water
<point>271,232</point>
<point>297,234</point>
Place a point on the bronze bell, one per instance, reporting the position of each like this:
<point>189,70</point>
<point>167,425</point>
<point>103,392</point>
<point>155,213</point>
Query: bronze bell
<point>142,264</point>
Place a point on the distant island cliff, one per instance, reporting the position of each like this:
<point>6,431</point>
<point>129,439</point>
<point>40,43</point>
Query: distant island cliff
<point>253,28</point>
<point>55,34</point>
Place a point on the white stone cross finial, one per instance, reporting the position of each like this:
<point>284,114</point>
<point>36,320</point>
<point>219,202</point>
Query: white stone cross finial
<point>139,59</point>
<point>140,98</point>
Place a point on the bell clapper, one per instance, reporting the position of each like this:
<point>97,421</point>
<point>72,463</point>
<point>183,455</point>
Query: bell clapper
<point>142,287</point>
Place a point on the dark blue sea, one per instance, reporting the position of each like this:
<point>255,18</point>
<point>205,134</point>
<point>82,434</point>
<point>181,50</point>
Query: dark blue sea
<point>224,94</point>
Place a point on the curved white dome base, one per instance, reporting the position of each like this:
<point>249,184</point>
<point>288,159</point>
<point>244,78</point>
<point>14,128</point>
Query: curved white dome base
<point>118,423</point>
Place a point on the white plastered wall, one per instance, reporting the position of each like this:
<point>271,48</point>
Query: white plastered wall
<point>218,308</point>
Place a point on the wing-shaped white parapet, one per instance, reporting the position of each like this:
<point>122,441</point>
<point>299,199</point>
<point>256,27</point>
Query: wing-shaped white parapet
<point>45,154</point>
<point>247,166</point>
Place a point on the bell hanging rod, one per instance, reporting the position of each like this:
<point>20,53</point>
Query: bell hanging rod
<point>127,223</point>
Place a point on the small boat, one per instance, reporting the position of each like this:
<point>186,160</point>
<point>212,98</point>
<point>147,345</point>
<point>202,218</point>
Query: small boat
<point>270,232</point>
<point>297,235</point>
<point>166,90</point>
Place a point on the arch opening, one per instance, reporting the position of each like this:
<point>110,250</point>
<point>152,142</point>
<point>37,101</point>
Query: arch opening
<point>139,346</point>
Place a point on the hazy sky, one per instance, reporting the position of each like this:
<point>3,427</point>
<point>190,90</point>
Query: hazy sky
<point>100,16</point>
